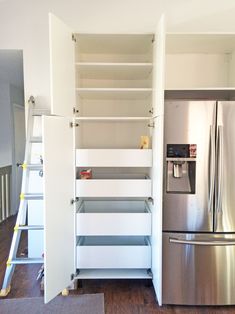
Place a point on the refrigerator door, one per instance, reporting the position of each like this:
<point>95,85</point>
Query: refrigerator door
<point>190,122</point>
<point>198,269</point>
<point>225,168</point>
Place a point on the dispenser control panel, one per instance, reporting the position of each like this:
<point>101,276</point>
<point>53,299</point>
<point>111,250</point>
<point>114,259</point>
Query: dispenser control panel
<point>181,150</point>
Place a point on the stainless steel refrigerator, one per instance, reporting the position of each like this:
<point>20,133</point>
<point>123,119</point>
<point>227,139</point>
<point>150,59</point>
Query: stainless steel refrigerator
<point>199,203</point>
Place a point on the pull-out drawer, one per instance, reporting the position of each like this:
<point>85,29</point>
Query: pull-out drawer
<point>120,186</point>
<point>114,158</point>
<point>113,252</point>
<point>113,218</point>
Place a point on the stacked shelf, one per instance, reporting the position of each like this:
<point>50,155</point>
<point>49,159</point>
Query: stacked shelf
<point>114,91</point>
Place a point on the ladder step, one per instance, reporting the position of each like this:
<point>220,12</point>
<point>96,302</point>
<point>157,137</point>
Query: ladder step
<point>32,196</point>
<point>33,167</point>
<point>36,139</point>
<point>34,227</point>
<point>25,260</point>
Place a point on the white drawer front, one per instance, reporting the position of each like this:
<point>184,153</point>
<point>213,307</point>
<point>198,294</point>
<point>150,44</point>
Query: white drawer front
<point>89,224</point>
<point>113,257</point>
<point>114,158</point>
<point>113,188</point>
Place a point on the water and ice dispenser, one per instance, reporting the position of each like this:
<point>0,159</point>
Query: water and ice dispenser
<point>181,168</point>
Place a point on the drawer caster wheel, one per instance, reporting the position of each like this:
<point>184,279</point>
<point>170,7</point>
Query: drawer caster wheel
<point>65,292</point>
<point>4,292</point>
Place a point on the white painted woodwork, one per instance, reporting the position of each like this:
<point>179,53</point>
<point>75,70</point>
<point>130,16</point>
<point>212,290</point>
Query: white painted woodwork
<point>114,93</point>
<point>113,252</point>
<point>59,214</point>
<point>114,71</point>
<point>113,218</point>
<point>158,81</point>
<point>156,208</point>
<point>114,274</point>
<point>113,188</point>
<point>62,70</point>
<point>200,61</point>
<point>113,118</point>
<point>114,48</point>
<point>157,168</point>
<point>113,157</point>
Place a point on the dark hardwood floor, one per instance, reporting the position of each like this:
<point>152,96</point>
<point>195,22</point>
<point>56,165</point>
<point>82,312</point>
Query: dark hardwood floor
<point>121,296</point>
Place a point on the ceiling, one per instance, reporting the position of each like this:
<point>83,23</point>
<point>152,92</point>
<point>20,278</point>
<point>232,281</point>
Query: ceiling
<point>11,67</point>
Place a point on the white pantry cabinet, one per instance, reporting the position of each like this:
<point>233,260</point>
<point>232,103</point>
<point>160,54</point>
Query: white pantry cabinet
<point>107,90</point>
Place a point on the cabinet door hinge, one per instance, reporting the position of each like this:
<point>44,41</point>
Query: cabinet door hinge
<point>150,199</point>
<point>75,110</point>
<point>72,277</point>
<point>73,125</point>
<point>74,38</point>
<point>153,39</point>
<point>74,200</point>
<point>151,125</point>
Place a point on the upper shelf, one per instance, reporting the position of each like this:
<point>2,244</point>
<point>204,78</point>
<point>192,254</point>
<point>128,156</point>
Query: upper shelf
<point>114,70</point>
<point>114,93</point>
<point>114,47</point>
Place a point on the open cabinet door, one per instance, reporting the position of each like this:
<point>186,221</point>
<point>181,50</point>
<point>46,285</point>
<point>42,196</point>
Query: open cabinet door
<point>157,169</point>
<point>159,68</point>
<point>62,67</point>
<point>58,190</point>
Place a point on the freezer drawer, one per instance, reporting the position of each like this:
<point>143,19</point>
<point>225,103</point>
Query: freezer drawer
<point>113,252</point>
<point>111,218</point>
<point>198,269</point>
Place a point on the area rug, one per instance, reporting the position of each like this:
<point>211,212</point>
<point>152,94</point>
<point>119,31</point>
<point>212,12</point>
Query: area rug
<point>81,304</point>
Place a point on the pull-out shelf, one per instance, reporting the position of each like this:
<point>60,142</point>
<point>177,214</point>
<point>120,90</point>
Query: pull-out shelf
<point>121,185</point>
<point>114,157</point>
<point>113,252</point>
<point>113,218</point>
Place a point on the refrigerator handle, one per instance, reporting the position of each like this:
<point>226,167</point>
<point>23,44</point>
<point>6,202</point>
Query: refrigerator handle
<point>211,168</point>
<point>203,243</point>
<point>219,179</point>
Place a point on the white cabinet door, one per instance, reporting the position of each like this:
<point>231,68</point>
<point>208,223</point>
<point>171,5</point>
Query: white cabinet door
<point>157,192</point>
<point>62,67</point>
<point>59,214</point>
<point>159,69</point>
<point>157,148</point>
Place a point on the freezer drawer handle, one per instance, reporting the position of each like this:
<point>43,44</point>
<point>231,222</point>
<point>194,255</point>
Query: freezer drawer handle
<point>205,243</point>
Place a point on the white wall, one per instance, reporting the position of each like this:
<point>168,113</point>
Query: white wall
<point>24,25</point>
<point>6,126</point>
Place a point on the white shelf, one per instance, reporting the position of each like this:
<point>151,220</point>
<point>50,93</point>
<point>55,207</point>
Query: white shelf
<point>113,252</point>
<point>114,93</point>
<point>113,71</point>
<point>200,89</point>
<point>113,218</point>
<point>123,44</point>
<point>125,186</point>
<point>114,157</point>
<point>114,274</point>
<point>113,118</point>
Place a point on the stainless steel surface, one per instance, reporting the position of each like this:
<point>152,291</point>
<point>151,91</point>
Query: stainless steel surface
<point>212,154</point>
<point>198,274</point>
<point>225,177</point>
<point>205,242</point>
<point>191,122</point>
